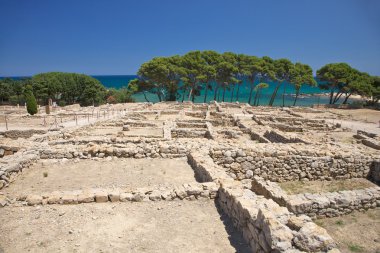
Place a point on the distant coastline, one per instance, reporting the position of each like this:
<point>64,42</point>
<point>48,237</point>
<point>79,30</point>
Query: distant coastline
<point>309,95</point>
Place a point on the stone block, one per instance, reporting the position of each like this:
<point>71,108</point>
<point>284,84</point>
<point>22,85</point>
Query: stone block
<point>114,195</point>
<point>34,200</point>
<point>86,197</point>
<point>69,199</point>
<point>101,196</point>
<point>313,238</point>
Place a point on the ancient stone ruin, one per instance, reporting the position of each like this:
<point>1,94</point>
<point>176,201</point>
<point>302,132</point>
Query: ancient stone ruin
<point>230,154</point>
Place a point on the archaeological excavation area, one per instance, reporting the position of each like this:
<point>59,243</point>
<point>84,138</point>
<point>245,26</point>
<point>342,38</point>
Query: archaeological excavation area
<point>184,177</point>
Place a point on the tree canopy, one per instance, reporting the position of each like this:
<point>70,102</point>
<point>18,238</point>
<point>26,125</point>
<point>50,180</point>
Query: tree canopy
<point>64,88</point>
<point>341,79</point>
<point>208,70</point>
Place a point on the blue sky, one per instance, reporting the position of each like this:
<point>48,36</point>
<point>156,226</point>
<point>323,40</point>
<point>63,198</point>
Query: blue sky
<point>116,36</point>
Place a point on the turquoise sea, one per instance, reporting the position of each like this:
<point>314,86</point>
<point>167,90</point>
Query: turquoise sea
<point>309,95</point>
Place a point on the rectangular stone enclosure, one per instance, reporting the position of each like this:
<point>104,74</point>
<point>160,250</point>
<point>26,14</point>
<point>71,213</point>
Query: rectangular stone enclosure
<point>65,175</point>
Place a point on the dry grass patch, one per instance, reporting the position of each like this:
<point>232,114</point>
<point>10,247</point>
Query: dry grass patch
<point>356,232</point>
<point>296,187</point>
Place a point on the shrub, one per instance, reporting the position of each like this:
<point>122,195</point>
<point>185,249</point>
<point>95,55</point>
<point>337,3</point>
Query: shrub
<point>355,248</point>
<point>31,103</point>
<point>61,103</point>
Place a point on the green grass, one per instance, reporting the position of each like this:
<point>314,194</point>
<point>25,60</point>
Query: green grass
<point>319,223</point>
<point>355,248</point>
<point>339,222</point>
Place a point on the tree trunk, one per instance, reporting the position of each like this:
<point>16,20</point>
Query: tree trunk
<point>255,99</point>
<point>183,95</point>
<point>258,97</point>
<point>346,98</point>
<point>232,92</point>
<point>145,97</point>
<point>216,91</point>
<point>331,96</point>
<point>337,97</point>
<point>237,92</point>
<point>274,94</point>
<point>190,93</point>
<point>224,91</point>
<point>159,96</point>
<point>295,99</point>
<point>283,95</point>
<point>250,94</point>
<point>206,90</point>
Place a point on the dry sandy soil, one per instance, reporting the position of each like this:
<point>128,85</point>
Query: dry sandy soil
<point>186,226</point>
<point>129,173</point>
<point>356,232</point>
<point>356,119</point>
<point>144,131</point>
<point>295,187</point>
<point>364,115</point>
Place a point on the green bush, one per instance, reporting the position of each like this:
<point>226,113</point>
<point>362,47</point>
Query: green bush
<point>31,103</point>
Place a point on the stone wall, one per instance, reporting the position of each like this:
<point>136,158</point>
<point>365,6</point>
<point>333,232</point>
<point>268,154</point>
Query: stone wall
<point>205,169</point>
<point>375,172</point>
<point>197,125</point>
<point>330,204</point>
<point>6,150</point>
<point>190,191</point>
<point>11,165</point>
<point>188,133</point>
<point>15,134</point>
<point>196,114</point>
<point>267,227</point>
<point>290,164</point>
<point>132,123</point>
<point>277,137</point>
<point>319,205</point>
<point>129,150</point>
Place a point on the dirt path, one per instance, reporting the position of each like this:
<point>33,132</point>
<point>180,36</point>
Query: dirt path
<point>178,226</point>
<point>357,125</point>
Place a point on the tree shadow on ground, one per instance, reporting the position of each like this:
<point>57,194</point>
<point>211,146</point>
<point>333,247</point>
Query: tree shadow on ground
<point>234,236</point>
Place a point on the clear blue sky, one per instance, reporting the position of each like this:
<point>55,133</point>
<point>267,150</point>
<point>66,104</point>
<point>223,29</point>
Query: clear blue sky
<point>116,36</point>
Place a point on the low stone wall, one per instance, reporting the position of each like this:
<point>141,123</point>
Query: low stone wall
<point>290,164</point>
<point>11,165</point>
<point>274,136</point>
<point>196,114</point>
<point>139,124</point>
<point>169,112</point>
<point>190,191</point>
<point>368,134</point>
<point>127,150</point>
<point>375,172</point>
<point>15,134</point>
<point>319,205</point>
<point>6,150</point>
<point>190,125</point>
<point>188,133</point>
<point>205,169</point>
<point>257,137</point>
<point>372,143</point>
<point>330,204</point>
<point>287,128</point>
<point>335,106</point>
<point>267,227</point>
